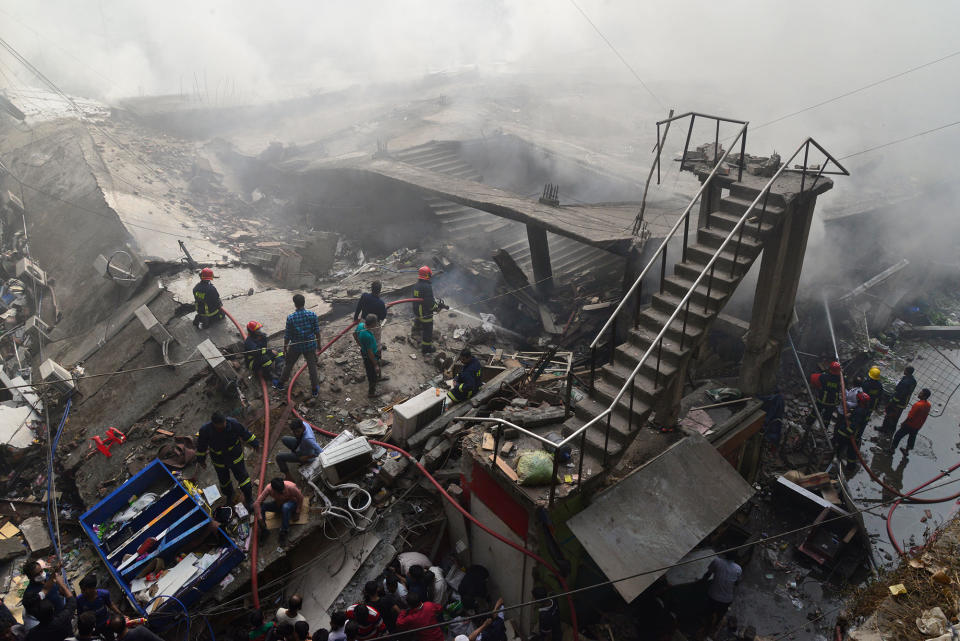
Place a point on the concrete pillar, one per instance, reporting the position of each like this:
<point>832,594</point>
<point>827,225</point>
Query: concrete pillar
<point>540,259</point>
<point>774,298</point>
<point>709,203</point>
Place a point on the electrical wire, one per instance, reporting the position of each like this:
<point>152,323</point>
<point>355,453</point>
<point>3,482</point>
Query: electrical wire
<point>617,53</point>
<point>900,140</point>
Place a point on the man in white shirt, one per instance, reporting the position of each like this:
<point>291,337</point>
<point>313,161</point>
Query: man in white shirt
<point>291,613</point>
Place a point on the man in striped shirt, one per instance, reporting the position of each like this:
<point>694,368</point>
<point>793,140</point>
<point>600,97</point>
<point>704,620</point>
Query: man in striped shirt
<point>369,622</point>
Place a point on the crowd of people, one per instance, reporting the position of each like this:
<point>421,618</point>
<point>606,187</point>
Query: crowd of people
<point>399,603</point>
<point>52,612</point>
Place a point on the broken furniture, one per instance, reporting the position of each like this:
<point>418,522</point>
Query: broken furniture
<point>826,539</point>
<point>166,529</point>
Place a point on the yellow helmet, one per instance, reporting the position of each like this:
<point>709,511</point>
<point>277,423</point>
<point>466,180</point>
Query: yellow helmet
<point>874,373</point>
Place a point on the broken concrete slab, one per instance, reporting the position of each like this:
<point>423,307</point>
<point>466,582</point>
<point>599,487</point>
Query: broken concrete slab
<point>34,530</point>
<point>393,468</point>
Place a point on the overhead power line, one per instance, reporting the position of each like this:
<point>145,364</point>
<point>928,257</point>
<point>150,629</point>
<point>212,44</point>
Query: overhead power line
<point>617,53</point>
<point>899,140</point>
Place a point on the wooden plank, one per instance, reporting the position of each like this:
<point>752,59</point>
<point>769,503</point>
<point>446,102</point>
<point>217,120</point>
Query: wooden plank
<point>488,442</point>
<point>506,469</point>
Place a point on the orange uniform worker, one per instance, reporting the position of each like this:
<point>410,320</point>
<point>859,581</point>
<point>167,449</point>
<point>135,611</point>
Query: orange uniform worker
<point>915,420</point>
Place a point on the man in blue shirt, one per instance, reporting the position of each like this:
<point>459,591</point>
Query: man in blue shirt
<point>301,338</point>
<point>95,600</point>
<point>371,303</point>
<point>303,447</point>
<point>468,381</point>
<point>365,338</point>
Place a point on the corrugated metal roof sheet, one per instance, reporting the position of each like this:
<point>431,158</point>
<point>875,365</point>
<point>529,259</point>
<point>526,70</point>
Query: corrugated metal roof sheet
<point>659,512</point>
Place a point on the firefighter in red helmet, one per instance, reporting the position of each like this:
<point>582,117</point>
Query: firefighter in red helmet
<point>207,298</point>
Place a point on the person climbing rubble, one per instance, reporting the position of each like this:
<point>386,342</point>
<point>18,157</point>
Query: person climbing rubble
<point>303,446</point>
<point>826,387</point>
<point>899,399</point>
<point>225,437</point>
<point>285,499</point>
<point>371,303</point>
<point>207,298</point>
<point>468,382</point>
<point>366,339</point>
<point>259,358</point>
<point>301,338</point>
<point>911,426</point>
<point>424,309</point>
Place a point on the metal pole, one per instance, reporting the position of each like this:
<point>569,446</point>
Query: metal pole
<point>763,212</point>
<point>686,314</point>
<point>606,438</point>
<point>583,443</point>
<point>736,251</point>
<point>663,267</point>
<point>803,176</point>
<point>656,377</point>
<point>743,151</point>
<point>593,367</point>
<point>630,419</point>
<point>553,480</point>
<point>706,305</point>
<point>497,433</point>
<point>716,143</point>
<point>686,234</point>
<point>568,393</point>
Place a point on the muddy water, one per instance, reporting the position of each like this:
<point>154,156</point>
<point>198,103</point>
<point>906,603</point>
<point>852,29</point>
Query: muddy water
<point>937,448</point>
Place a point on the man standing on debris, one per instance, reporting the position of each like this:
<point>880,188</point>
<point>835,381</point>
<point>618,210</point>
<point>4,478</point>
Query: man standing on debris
<point>286,499</point>
<point>827,393</point>
<point>367,341</point>
<point>724,575</point>
<point>259,357</point>
<point>468,381</point>
<point>207,298</point>
<point>303,446</point>
<point>225,438</point>
<point>302,338</point>
<point>915,420</point>
<point>371,303</point>
<point>424,309</point>
<point>873,387</point>
<point>899,399</point>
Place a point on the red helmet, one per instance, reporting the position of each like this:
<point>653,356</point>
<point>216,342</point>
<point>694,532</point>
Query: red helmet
<point>835,367</point>
<point>863,398</point>
<point>253,326</point>
<point>206,274</point>
<point>425,272</point>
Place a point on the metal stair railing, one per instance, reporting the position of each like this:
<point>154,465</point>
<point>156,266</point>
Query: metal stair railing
<point>684,303</point>
<point>635,290</point>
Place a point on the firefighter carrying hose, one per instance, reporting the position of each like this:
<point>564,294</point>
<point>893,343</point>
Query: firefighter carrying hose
<point>424,309</point>
<point>259,357</point>
<point>207,299</point>
<point>225,437</point>
<point>827,392</point>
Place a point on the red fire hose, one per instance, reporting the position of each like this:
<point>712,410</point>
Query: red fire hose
<point>263,472</point>
<point>429,477</point>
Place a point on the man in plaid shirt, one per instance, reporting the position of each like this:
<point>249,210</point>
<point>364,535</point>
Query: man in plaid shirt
<point>302,338</point>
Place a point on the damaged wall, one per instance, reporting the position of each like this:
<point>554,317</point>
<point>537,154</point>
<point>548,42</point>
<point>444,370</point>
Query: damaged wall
<point>66,237</point>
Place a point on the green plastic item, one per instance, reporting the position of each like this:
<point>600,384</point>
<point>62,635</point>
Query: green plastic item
<point>535,467</point>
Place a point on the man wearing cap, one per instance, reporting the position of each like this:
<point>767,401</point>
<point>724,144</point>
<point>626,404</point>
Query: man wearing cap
<point>915,420</point>
<point>468,381</point>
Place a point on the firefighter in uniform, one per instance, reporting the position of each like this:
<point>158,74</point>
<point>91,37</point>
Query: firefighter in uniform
<point>468,381</point>
<point>424,309</point>
<point>855,423</point>
<point>224,438</point>
<point>258,356</point>
<point>873,387</point>
<point>207,299</point>
<point>827,392</point>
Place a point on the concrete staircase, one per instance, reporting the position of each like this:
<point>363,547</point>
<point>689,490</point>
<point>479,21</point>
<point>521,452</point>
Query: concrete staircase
<point>569,258</point>
<point>650,384</point>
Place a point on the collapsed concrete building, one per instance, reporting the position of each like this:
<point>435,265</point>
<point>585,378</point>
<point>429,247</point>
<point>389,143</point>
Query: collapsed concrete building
<point>591,319</point>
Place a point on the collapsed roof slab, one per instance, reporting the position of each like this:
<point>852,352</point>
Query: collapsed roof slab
<point>607,226</point>
<point>658,513</point>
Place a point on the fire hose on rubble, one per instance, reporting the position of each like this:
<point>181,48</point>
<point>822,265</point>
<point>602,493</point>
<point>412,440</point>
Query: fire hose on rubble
<point>433,481</point>
<point>421,468</point>
<point>263,471</point>
<point>908,497</point>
